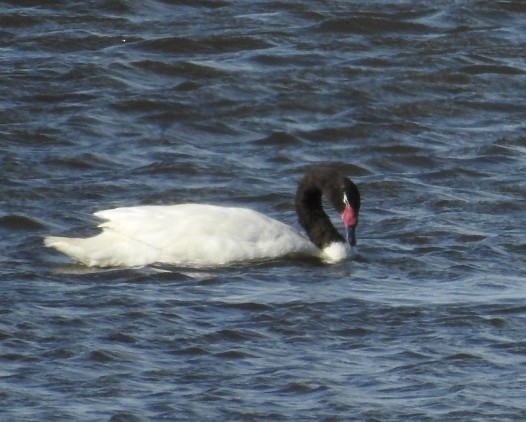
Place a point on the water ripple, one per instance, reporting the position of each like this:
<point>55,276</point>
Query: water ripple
<point>226,102</point>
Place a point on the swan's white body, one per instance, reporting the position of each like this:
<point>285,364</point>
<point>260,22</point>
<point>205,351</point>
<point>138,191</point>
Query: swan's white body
<point>190,235</point>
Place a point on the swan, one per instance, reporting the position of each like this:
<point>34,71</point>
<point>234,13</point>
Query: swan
<point>202,235</point>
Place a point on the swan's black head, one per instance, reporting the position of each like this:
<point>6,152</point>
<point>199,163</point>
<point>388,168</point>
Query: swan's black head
<point>341,192</point>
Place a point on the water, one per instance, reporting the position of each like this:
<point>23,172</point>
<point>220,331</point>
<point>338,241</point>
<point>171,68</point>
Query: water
<point>116,103</point>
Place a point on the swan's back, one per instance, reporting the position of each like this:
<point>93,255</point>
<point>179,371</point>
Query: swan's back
<point>186,235</point>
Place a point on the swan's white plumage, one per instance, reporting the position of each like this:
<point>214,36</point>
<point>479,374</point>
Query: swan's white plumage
<point>189,235</point>
<point>336,252</point>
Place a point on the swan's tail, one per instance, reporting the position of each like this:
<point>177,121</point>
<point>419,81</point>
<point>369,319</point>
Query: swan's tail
<point>76,248</point>
<point>105,250</point>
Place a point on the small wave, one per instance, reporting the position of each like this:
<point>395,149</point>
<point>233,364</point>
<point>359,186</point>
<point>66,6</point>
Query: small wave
<point>279,139</point>
<point>212,44</point>
<point>481,69</point>
<point>20,222</point>
<point>127,417</point>
<point>371,24</point>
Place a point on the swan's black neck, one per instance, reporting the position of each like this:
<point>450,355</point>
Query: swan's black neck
<point>331,184</point>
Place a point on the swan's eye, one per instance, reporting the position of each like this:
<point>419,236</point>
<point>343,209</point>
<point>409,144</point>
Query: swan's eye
<point>346,200</point>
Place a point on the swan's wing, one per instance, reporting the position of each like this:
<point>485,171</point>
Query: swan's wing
<point>190,222</point>
<point>149,223</point>
<point>200,234</point>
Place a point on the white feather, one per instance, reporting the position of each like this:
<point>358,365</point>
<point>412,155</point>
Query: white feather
<point>188,235</point>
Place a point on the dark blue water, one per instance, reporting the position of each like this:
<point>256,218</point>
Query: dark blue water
<point>117,103</point>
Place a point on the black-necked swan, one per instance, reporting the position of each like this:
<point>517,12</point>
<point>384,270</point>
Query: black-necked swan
<point>206,235</point>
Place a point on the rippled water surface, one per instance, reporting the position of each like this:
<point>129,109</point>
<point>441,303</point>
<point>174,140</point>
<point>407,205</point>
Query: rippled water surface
<point>115,103</point>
